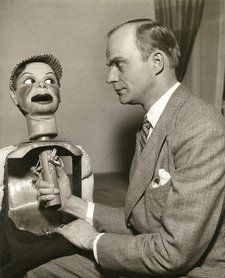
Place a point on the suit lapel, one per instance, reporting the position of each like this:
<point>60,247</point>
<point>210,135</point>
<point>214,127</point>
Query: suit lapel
<point>144,163</point>
<point>143,171</point>
<point>136,155</point>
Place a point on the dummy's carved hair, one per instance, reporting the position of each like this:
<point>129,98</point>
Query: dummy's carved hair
<point>45,58</point>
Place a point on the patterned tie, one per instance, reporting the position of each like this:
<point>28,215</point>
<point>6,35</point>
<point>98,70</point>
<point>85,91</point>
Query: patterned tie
<point>144,132</point>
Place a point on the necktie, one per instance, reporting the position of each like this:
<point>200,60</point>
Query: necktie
<point>144,132</point>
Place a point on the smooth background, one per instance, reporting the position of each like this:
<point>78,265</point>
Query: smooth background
<point>74,31</point>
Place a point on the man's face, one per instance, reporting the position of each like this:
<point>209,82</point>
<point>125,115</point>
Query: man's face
<point>37,90</point>
<point>132,78</point>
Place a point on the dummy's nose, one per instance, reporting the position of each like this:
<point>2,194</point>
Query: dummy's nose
<point>41,84</point>
<point>112,76</point>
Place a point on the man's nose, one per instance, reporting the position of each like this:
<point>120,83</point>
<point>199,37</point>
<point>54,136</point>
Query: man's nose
<point>112,76</point>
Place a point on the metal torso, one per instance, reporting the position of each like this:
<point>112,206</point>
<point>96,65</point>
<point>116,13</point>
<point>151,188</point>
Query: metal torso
<point>21,196</point>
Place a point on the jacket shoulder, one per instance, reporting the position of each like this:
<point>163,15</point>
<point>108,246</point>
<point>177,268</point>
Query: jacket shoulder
<point>195,112</point>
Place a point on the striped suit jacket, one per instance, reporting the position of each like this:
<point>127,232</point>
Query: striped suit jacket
<point>178,228</point>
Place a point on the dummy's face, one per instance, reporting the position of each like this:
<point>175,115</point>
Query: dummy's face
<point>37,90</point>
<point>131,77</point>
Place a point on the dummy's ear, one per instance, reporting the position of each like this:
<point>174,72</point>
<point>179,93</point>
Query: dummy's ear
<point>13,96</point>
<point>158,61</point>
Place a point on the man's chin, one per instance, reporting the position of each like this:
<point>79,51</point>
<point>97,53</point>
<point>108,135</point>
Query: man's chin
<point>124,100</point>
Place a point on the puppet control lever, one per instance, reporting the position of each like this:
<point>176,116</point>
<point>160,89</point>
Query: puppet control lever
<point>48,162</point>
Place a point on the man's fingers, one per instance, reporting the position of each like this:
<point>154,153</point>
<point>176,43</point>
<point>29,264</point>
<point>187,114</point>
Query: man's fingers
<point>47,191</point>
<point>44,198</point>
<point>44,184</point>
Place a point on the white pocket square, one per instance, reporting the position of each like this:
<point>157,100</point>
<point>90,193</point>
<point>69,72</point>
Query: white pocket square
<point>163,178</point>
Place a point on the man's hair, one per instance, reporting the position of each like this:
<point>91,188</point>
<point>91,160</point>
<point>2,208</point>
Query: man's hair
<point>151,35</point>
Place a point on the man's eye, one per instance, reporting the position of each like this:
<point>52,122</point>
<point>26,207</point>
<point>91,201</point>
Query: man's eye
<point>120,65</point>
<point>29,81</point>
<point>49,81</point>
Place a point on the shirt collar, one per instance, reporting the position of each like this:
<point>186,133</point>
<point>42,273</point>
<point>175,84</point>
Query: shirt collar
<point>157,108</point>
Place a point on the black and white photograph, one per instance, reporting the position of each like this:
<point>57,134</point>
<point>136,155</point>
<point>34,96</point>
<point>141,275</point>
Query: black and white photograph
<point>112,143</point>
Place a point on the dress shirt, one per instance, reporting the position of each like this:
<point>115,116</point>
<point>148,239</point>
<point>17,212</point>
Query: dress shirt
<point>153,116</point>
<point>90,213</point>
<point>157,108</point>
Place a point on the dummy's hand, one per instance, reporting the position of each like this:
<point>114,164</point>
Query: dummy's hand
<point>79,233</point>
<point>47,191</point>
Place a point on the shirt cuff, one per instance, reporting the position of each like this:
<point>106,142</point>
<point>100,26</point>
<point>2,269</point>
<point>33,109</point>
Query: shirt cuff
<point>90,213</point>
<point>95,246</point>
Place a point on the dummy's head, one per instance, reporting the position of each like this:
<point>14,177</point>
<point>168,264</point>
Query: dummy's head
<point>34,85</point>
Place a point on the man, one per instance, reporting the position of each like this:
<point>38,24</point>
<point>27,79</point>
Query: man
<point>173,220</point>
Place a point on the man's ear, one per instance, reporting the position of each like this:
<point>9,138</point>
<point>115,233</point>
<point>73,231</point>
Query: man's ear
<point>158,61</point>
<point>13,96</point>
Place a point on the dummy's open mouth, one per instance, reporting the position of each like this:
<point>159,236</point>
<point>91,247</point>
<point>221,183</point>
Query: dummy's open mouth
<point>42,98</point>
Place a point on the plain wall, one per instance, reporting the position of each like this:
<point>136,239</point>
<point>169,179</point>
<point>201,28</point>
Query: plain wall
<point>74,31</point>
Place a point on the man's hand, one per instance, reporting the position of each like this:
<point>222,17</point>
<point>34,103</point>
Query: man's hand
<point>70,204</point>
<point>47,191</point>
<point>79,233</point>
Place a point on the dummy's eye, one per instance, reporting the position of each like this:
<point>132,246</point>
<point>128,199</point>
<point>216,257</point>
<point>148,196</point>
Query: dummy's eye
<point>29,81</point>
<point>49,81</point>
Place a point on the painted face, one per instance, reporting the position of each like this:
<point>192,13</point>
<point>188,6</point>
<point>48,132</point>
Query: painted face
<point>37,90</point>
<point>131,77</point>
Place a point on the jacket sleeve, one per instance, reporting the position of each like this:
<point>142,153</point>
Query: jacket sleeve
<point>110,220</point>
<point>192,212</point>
